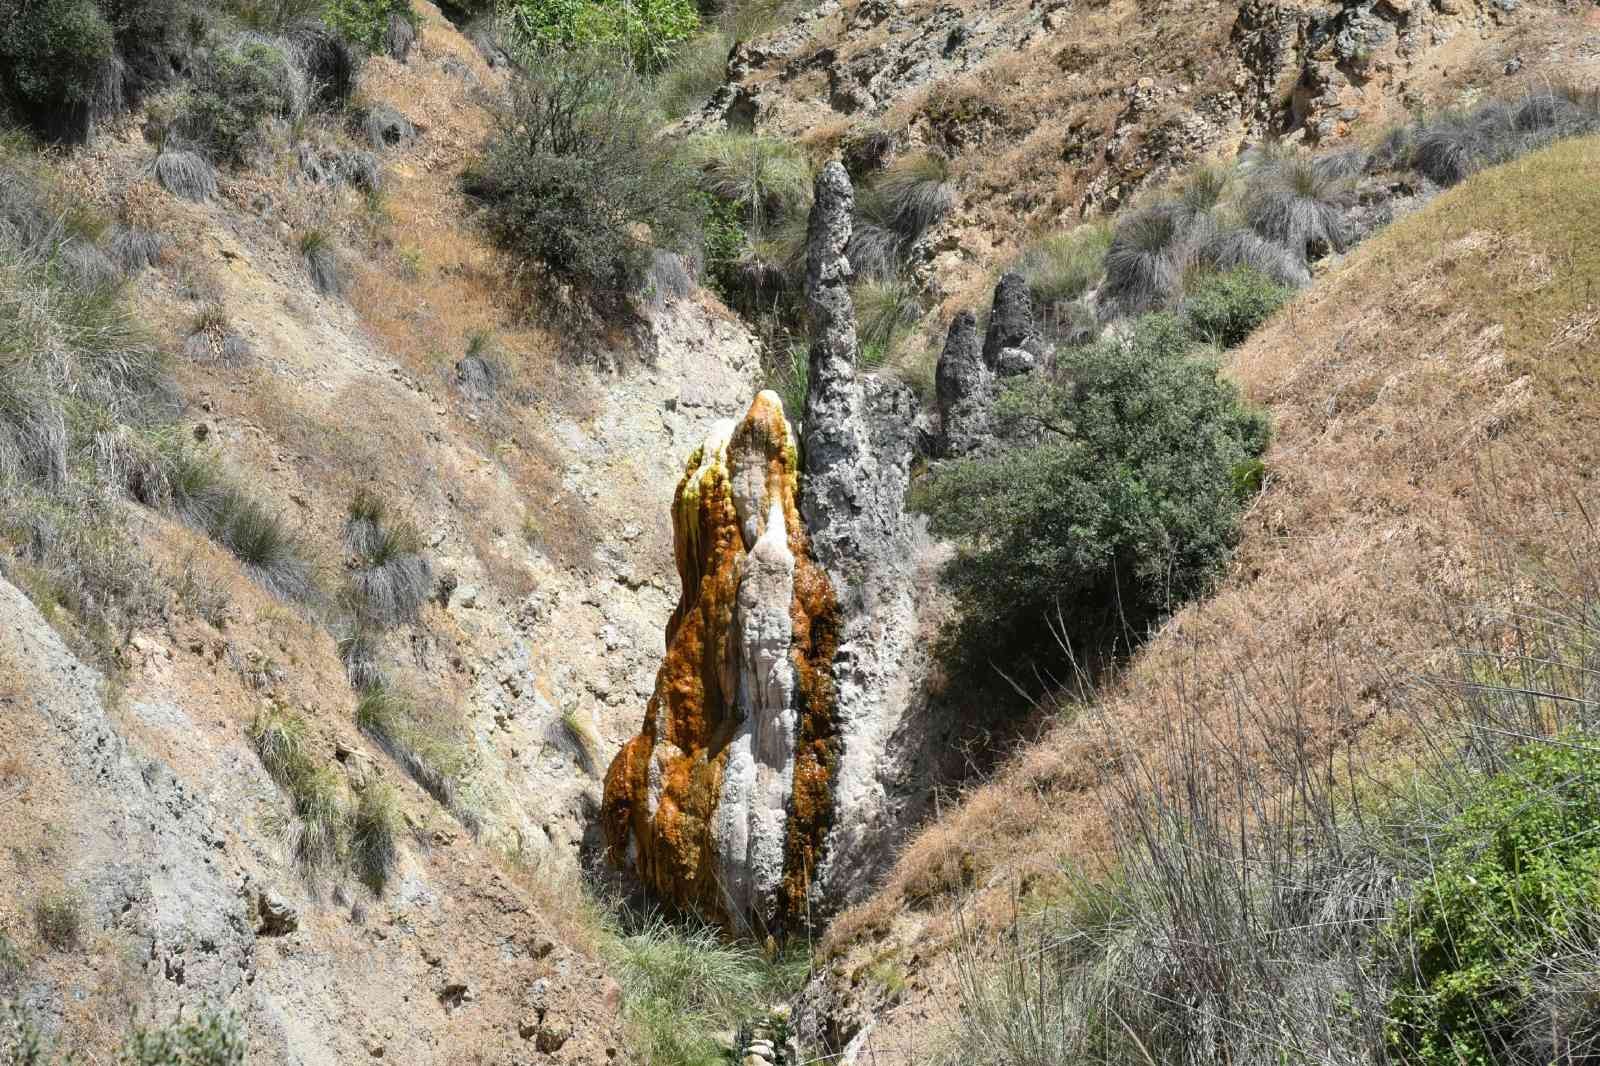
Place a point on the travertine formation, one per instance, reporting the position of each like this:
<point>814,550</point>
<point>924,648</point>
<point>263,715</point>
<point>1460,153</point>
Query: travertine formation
<point>963,384</point>
<point>719,802</point>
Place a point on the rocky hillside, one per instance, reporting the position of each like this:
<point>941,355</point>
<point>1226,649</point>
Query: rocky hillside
<point>1051,112</point>
<point>1423,502</point>
<point>392,617</point>
<point>532,463</point>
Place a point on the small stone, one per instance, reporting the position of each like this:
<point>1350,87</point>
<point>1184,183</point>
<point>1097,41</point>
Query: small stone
<point>551,1035</point>
<point>278,917</point>
<point>464,597</point>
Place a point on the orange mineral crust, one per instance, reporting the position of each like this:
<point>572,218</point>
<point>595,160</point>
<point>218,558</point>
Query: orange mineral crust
<point>663,789</point>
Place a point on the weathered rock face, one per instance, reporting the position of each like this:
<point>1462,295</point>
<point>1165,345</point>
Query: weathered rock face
<point>1011,345</point>
<point>858,448</point>
<point>786,746</point>
<point>720,802</point>
<point>963,384</point>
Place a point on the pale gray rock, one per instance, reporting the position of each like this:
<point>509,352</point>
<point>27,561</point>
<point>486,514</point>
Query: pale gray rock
<point>859,441</point>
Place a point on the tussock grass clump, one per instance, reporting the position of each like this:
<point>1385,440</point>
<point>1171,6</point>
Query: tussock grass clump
<point>697,70</point>
<point>1145,262</point>
<point>766,179</point>
<point>1237,248</point>
<point>358,644</point>
<point>134,248</point>
<point>895,211</point>
<point>682,983</point>
<point>212,340</point>
<point>271,552</point>
<point>390,576</point>
<point>375,827</point>
<point>321,262</point>
<point>575,732</point>
<point>1064,266</point>
<point>58,919</point>
<point>913,194</point>
<point>281,742</point>
<point>1060,271</point>
<point>185,173</point>
<point>428,750</point>
<point>886,309</point>
<point>1298,201</point>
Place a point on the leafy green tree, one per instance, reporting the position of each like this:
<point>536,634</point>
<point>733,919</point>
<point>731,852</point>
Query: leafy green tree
<point>1115,498</point>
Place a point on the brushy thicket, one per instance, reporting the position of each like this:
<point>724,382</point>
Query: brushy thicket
<point>646,31</point>
<point>1272,902</point>
<point>683,983</point>
<point>1118,497</point>
<point>574,172</point>
<point>207,1038</point>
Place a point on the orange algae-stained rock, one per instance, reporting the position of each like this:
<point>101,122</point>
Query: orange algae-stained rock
<point>721,801</point>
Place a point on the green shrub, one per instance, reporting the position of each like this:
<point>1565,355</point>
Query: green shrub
<point>646,30</point>
<point>1115,504</point>
<point>54,53</point>
<point>1224,309</point>
<point>363,22</point>
<point>1522,876</point>
<point>208,1039</point>
<point>574,171</point>
<point>58,917</point>
<point>233,89</point>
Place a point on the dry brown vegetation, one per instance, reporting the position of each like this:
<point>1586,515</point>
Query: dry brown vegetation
<point>1435,418</point>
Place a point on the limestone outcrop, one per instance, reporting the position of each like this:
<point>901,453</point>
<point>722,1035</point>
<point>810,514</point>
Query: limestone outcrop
<point>1011,345</point>
<point>963,384</point>
<point>720,801</point>
<point>786,745</point>
<point>858,447</point>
